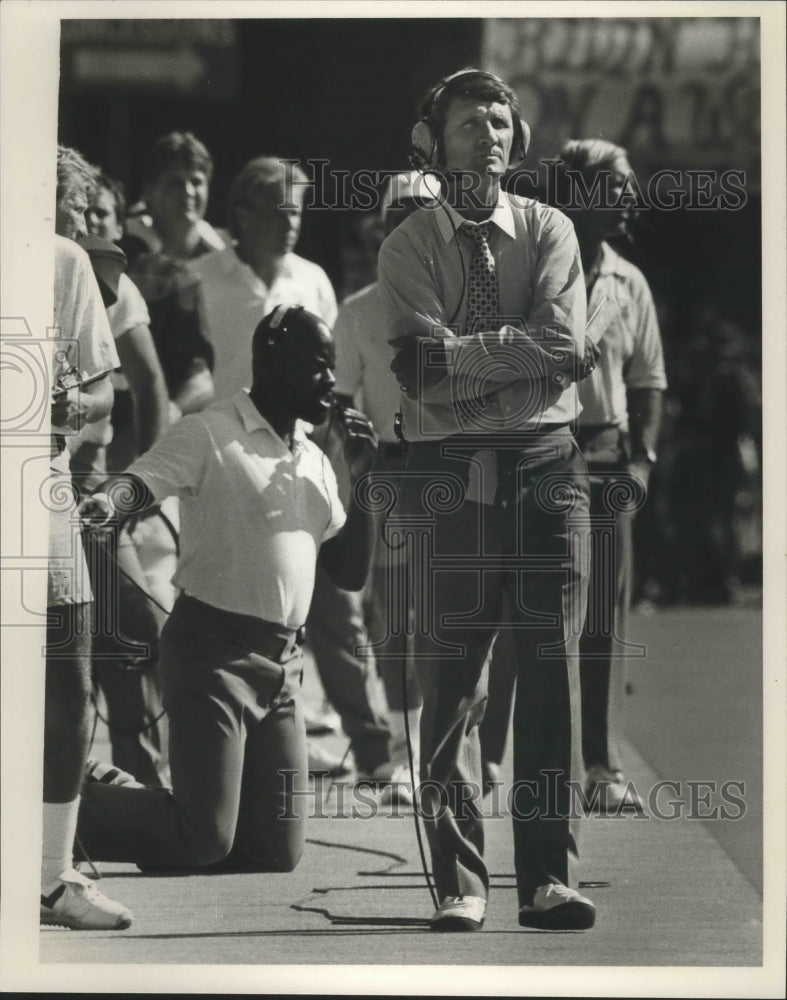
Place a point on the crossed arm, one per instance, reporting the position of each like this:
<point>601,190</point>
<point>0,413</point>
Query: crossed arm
<point>436,366</point>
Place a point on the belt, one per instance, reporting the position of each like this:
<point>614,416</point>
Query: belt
<point>270,639</point>
<point>588,432</point>
<point>501,441</point>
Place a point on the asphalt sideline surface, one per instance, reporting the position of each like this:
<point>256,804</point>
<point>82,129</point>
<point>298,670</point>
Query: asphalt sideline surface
<point>677,892</point>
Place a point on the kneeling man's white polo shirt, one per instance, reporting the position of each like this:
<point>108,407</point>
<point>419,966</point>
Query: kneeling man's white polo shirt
<point>253,513</point>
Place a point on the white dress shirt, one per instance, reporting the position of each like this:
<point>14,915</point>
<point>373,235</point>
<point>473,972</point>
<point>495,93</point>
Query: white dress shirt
<point>233,300</point>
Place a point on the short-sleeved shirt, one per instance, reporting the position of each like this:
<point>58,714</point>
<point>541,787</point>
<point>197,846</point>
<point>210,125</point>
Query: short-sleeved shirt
<point>124,315</point>
<point>424,267</point>
<point>84,342</point>
<point>631,350</point>
<point>253,513</point>
<point>363,359</point>
<point>233,300</point>
<point>130,309</point>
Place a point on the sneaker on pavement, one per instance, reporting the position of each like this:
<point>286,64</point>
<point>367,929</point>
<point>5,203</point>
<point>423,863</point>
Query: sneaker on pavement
<point>398,789</point>
<point>108,774</point>
<point>558,908</point>
<point>324,765</point>
<point>459,913</point>
<point>612,792</point>
<point>73,901</point>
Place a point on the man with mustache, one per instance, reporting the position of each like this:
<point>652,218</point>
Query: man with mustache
<point>486,313</point>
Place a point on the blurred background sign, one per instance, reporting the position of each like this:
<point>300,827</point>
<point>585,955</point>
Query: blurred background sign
<point>677,92</point>
<point>191,58</point>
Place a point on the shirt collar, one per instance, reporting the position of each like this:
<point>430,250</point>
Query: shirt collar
<point>232,262</point>
<point>253,420</point>
<point>449,220</point>
<point>609,260</point>
<point>208,239</point>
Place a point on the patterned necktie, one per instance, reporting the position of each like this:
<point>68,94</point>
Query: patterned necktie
<point>483,313</point>
<point>483,308</point>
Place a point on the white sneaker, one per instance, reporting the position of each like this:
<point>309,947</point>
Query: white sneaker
<point>611,791</point>
<point>398,789</point>
<point>71,900</point>
<point>459,913</point>
<point>556,907</point>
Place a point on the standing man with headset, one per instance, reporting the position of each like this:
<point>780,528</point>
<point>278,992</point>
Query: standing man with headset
<point>485,303</point>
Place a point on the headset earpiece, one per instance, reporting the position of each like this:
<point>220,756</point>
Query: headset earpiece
<point>423,140</point>
<point>423,145</point>
<point>524,138</point>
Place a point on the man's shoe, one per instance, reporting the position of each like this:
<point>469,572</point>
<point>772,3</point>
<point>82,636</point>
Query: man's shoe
<point>558,908</point>
<point>610,790</point>
<point>459,913</point>
<point>73,901</point>
<point>108,774</point>
<point>323,765</point>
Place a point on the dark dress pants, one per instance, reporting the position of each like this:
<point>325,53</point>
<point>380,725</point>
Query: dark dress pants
<point>237,748</point>
<point>532,545</point>
<point>604,650</point>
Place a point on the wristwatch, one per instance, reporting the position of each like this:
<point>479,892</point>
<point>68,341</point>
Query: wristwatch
<point>647,455</point>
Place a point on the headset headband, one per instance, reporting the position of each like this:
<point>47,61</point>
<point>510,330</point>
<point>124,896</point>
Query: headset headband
<point>278,321</point>
<point>423,138</point>
<point>437,92</point>
<point>278,315</point>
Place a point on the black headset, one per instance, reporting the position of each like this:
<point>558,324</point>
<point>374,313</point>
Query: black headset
<point>424,135</point>
<point>277,324</point>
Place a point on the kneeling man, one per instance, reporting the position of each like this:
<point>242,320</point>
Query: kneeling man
<point>259,507</point>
